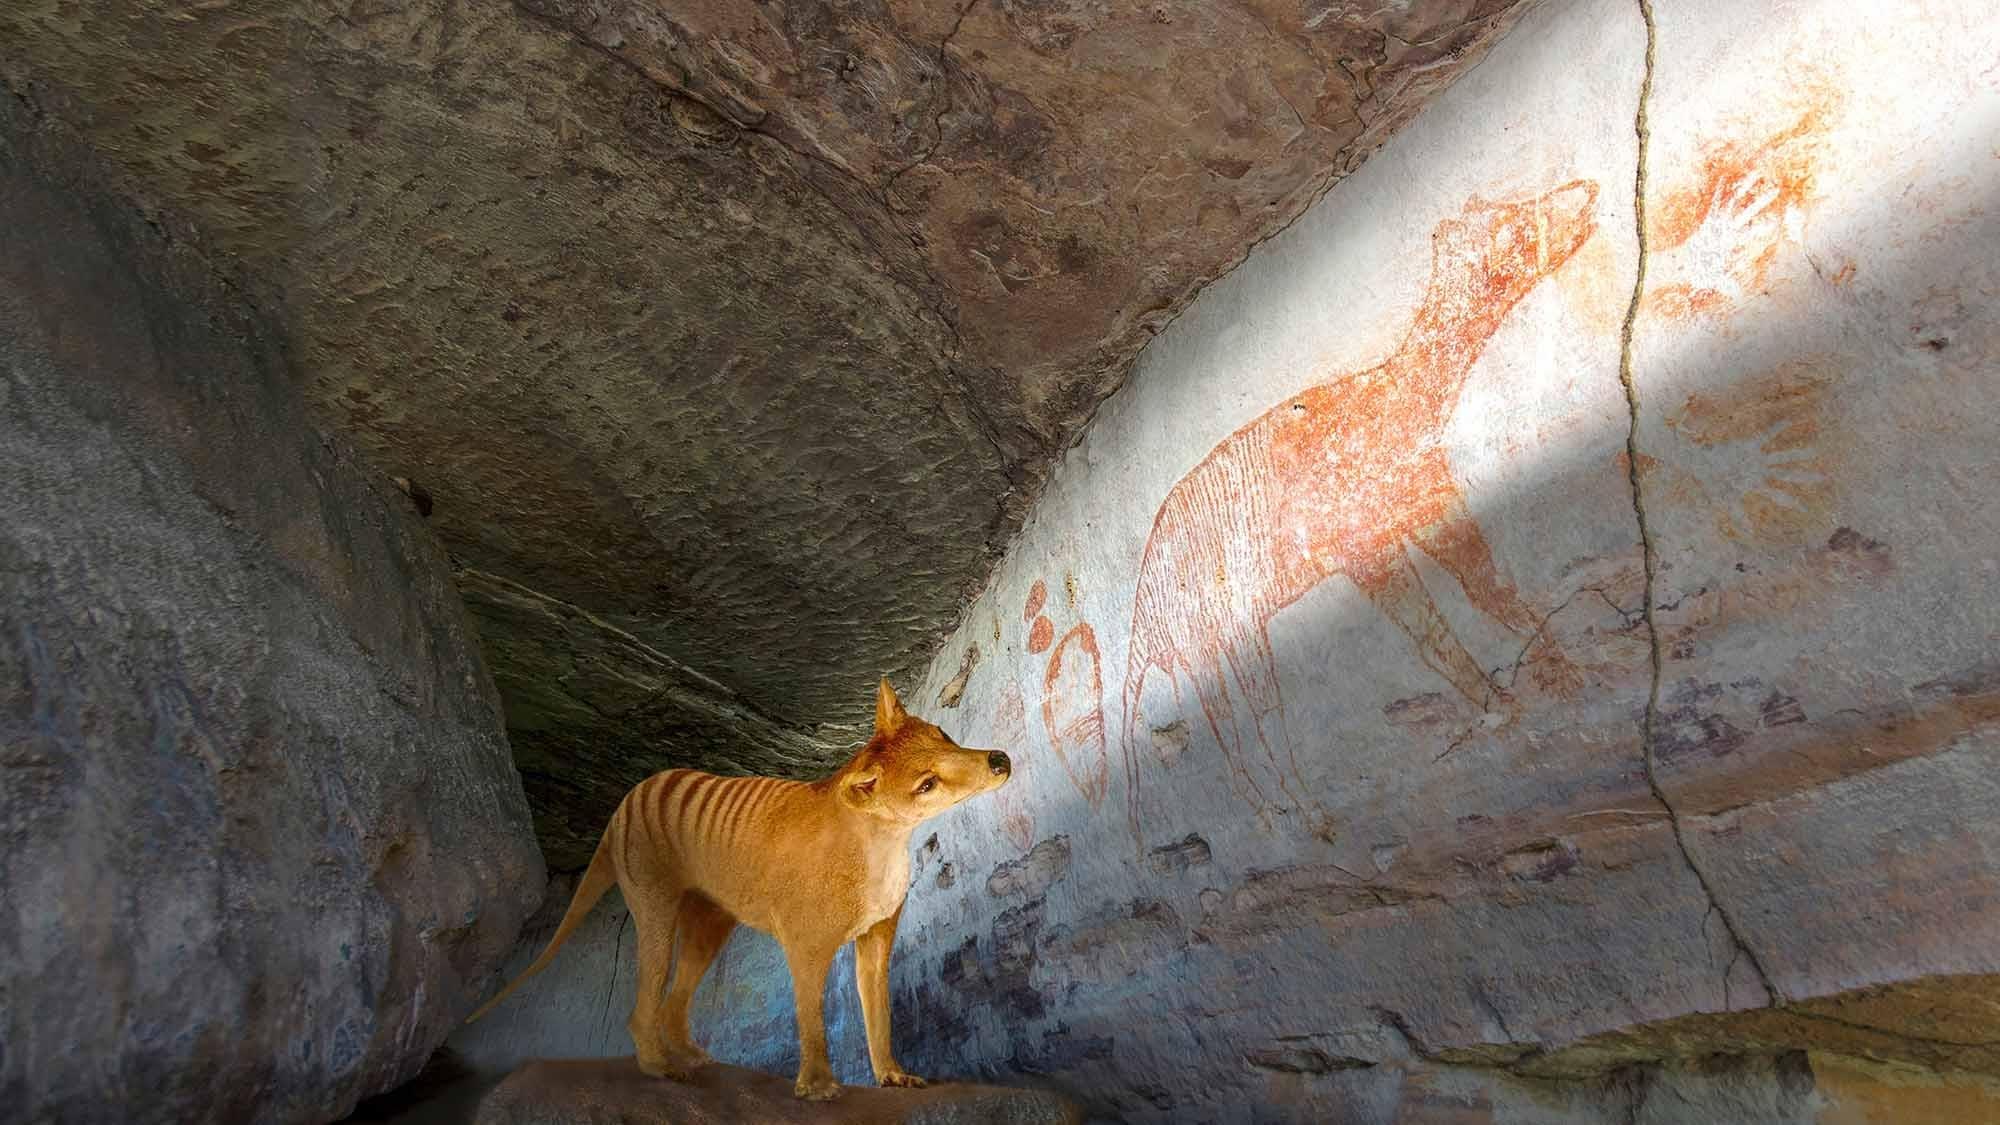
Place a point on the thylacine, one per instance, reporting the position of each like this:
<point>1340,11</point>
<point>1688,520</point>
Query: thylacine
<point>815,865</point>
<point>1342,479</point>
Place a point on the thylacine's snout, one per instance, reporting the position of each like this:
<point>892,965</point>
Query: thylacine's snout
<point>998,763</point>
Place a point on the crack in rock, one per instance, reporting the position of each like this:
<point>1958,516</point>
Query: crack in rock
<point>1642,128</point>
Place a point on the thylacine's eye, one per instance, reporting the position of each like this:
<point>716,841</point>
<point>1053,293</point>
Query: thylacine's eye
<point>926,785</point>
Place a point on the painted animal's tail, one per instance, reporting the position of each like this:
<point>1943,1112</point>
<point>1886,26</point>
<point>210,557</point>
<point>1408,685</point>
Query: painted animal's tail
<point>597,878</point>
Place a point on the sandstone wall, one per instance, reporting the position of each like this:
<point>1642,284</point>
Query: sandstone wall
<point>261,839</point>
<point>1367,771</point>
<point>1357,737</point>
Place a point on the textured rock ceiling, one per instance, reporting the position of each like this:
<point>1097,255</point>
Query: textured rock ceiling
<point>730,339</point>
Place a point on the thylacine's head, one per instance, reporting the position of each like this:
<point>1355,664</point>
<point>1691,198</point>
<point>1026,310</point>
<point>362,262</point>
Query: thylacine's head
<point>910,770</point>
<point>1496,252</point>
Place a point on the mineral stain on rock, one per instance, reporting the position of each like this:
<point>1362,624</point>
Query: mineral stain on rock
<point>1033,874</point>
<point>1301,1054</point>
<point>954,690</point>
<point>1541,862</point>
<point>1172,859</point>
<point>1688,726</point>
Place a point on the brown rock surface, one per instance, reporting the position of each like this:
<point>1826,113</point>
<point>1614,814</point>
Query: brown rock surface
<point>614,1092</point>
<point>743,331</point>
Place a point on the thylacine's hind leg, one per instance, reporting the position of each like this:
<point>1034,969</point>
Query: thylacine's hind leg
<point>654,907</point>
<point>704,929</point>
<point>1211,690</point>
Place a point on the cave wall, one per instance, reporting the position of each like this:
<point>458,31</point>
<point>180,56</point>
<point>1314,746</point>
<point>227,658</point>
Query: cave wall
<point>261,838</point>
<point>1357,745</point>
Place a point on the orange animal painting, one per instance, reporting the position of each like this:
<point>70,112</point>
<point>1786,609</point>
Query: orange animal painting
<point>1342,479</point>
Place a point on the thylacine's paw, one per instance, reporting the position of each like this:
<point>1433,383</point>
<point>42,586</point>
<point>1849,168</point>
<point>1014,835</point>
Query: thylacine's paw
<point>815,1089</point>
<point>678,1064</point>
<point>689,1057</point>
<point>897,1078</point>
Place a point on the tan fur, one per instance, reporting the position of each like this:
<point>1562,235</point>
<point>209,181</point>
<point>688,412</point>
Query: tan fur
<point>814,865</point>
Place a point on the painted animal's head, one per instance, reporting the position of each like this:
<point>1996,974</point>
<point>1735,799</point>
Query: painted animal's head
<point>1510,246</point>
<point>911,771</point>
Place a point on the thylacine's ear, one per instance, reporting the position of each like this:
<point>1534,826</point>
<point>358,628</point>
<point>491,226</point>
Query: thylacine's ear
<point>889,713</point>
<point>859,789</point>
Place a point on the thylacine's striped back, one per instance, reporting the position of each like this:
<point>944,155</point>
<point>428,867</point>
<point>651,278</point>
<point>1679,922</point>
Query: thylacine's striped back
<point>701,823</point>
<point>690,818</point>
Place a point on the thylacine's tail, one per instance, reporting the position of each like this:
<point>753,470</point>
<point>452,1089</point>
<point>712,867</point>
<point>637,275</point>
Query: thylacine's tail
<point>597,878</point>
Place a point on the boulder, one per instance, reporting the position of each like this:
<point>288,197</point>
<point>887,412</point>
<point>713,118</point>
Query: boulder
<point>615,1092</point>
<point>263,838</point>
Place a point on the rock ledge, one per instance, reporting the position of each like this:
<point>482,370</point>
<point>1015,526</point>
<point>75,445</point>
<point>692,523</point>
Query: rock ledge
<point>614,1092</point>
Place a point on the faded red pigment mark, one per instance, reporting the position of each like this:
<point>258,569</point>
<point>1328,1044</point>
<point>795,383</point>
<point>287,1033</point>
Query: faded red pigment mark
<point>1072,696</point>
<point>1343,479</point>
<point>1038,596</point>
<point>1774,452</point>
<point>1041,635</point>
<point>1714,242</point>
<point>1073,712</point>
<point>1010,730</point>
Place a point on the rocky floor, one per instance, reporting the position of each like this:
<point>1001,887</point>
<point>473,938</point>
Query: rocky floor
<point>608,1091</point>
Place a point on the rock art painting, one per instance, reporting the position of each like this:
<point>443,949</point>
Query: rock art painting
<point>1759,453</point>
<point>1712,243</point>
<point>1072,697</point>
<point>1010,729</point>
<point>1343,479</point>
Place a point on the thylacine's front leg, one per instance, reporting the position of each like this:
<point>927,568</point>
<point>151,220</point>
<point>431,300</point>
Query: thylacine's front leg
<point>871,978</point>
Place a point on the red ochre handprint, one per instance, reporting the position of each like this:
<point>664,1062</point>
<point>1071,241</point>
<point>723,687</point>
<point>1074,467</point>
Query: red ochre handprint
<point>1712,244</point>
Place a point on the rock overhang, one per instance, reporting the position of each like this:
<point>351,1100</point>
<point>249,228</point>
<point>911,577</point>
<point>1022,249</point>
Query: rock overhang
<point>727,338</point>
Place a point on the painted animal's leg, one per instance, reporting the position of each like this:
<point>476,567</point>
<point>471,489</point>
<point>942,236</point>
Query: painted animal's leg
<point>871,979</point>
<point>809,963</point>
<point>1458,545</point>
<point>1398,591</point>
<point>1256,671</point>
<point>704,928</point>
<point>1211,690</point>
<point>653,911</point>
